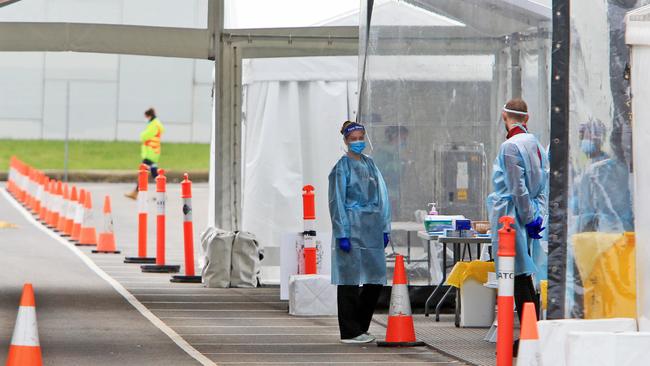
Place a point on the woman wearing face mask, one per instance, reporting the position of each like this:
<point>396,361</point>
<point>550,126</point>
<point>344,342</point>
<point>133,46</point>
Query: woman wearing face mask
<point>360,213</point>
<point>151,146</point>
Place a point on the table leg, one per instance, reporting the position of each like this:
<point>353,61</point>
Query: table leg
<point>439,306</point>
<point>457,310</point>
<point>408,247</point>
<point>444,278</point>
<point>429,261</point>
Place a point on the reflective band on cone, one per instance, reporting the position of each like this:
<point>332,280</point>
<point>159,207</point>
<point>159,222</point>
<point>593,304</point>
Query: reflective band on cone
<point>88,235</point>
<point>505,301</point>
<point>400,331</point>
<point>106,240</point>
<point>143,188</point>
<point>528,354</point>
<point>160,266</point>
<point>188,234</point>
<point>25,349</point>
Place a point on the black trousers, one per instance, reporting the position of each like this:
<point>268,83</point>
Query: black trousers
<point>356,305</point>
<point>525,292</point>
<point>153,168</point>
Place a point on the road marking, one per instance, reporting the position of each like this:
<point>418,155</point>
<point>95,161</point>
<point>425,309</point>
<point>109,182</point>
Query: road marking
<point>257,334</point>
<point>214,302</point>
<point>209,289</point>
<point>270,344</point>
<point>241,318</point>
<point>226,310</point>
<point>206,295</point>
<point>343,362</point>
<point>175,337</point>
<point>255,326</point>
<point>316,353</point>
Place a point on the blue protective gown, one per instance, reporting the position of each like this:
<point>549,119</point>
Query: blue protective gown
<point>360,210</point>
<point>520,181</point>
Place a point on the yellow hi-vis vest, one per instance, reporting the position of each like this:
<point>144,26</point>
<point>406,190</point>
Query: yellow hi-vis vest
<point>150,138</point>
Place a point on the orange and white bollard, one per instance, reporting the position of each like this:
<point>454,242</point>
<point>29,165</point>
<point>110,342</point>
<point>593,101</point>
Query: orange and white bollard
<point>11,177</point>
<point>25,349</point>
<point>106,241</point>
<point>78,216</point>
<point>143,193</point>
<point>506,300</point>
<point>32,187</point>
<point>160,266</point>
<point>88,235</point>
<point>309,234</point>
<point>188,234</point>
<point>73,203</point>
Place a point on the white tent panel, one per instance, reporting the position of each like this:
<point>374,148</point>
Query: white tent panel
<point>291,139</point>
<point>55,109</point>
<point>21,85</point>
<point>92,115</point>
<point>203,71</point>
<point>81,66</point>
<point>157,82</point>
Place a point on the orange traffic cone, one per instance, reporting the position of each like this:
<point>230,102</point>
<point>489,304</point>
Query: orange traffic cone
<point>25,349</point>
<point>106,241</point>
<point>57,192</point>
<point>529,339</point>
<point>44,212</point>
<point>88,234</point>
<point>78,216</point>
<point>63,211</point>
<point>72,210</point>
<point>400,331</point>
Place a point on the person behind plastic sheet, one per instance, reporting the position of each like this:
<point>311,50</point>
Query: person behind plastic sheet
<point>151,146</point>
<point>391,158</point>
<point>360,213</point>
<point>603,202</point>
<point>520,178</point>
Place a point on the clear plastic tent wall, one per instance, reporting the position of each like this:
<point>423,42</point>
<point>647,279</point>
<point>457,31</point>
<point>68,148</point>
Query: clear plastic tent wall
<point>600,262</point>
<point>435,76</point>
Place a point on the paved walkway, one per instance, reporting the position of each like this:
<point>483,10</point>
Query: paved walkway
<point>84,320</point>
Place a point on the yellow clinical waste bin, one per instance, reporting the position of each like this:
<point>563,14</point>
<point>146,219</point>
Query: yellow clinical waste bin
<point>476,301</point>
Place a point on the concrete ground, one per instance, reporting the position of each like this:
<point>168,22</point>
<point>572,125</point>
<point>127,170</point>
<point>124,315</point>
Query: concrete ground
<point>84,317</point>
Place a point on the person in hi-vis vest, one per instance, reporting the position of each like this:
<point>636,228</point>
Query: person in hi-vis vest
<point>151,145</point>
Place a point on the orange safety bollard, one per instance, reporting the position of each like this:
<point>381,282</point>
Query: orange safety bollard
<point>505,300</point>
<point>11,175</point>
<point>188,234</point>
<point>106,241</point>
<point>72,211</point>
<point>88,235</point>
<point>31,189</point>
<point>160,266</point>
<point>143,190</point>
<point>309,234</point>
<point>78,216</point>
<point>60,225</point>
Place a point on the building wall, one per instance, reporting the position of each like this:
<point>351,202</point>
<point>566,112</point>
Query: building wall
<point>102,96</point>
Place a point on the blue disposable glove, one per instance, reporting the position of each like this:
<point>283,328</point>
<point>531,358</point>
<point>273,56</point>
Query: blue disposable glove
<point>386,239</point>
<point>344,244</point>
<point>534,228</point>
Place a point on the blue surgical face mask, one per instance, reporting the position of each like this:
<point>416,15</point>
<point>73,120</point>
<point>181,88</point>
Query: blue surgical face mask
<point>357,147</point>
<point>588,147</point>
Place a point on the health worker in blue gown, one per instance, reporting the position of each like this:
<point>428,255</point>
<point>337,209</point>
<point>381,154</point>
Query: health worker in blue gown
<point>361,214</point>
<point>520,180</point>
